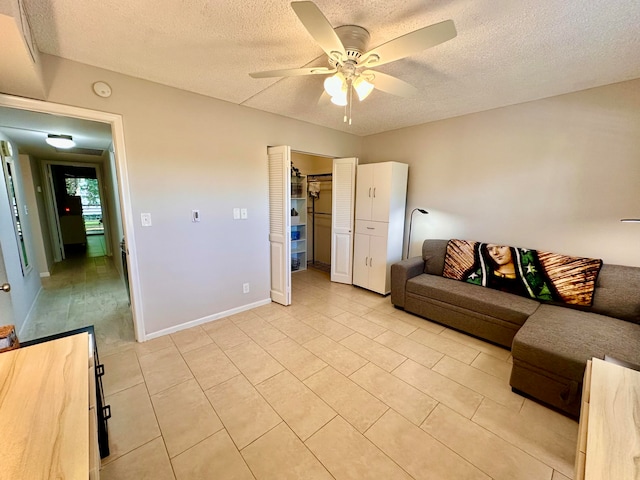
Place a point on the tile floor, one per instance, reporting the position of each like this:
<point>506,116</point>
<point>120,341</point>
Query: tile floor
<point>84,289</point>
<point>338,385</point>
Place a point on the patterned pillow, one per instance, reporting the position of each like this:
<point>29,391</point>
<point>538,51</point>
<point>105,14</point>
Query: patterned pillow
<point>521,271</point>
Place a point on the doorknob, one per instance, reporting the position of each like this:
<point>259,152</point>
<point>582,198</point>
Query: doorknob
<point>5,287</point>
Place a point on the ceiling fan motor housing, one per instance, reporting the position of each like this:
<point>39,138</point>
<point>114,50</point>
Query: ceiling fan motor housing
<point>355,40</point>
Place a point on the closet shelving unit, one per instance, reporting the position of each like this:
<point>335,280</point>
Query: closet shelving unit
<point>298,223</point>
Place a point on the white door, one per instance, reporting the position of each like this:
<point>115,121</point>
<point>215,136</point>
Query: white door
<point>364,191</point>
<point>10,245</point>
<point>6,308</point>
<point>342,213</point>
<point>381,192</point>
<point>378,264</point>
<point>280,222</point>
<point>51,203</point>
<point>361,260</point>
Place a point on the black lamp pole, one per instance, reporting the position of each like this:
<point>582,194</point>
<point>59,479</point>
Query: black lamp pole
<point>424,212</point>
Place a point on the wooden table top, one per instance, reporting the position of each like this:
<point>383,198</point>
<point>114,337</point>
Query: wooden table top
<point>613,438</point>
<point>44,416</point>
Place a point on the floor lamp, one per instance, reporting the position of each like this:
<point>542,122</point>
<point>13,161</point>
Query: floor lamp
<point>422,211</point>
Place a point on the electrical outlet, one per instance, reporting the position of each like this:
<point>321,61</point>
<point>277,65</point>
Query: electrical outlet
<point>195,215</point>
<point>245,288</point>
<point>243,213</point>
<point>145,219</point>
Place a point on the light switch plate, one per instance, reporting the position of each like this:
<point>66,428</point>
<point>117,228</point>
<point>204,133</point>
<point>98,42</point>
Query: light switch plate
<point>236,214</point>
<point>145,219</point>
<point>243,213</point>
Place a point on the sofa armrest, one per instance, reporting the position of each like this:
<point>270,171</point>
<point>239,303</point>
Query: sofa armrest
<point>400,273</point>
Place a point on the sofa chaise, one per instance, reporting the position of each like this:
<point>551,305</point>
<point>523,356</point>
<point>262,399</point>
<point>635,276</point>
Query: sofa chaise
<point>550,342</point>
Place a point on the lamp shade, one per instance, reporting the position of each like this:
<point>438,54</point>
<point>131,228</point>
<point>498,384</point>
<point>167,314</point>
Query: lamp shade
<point>334,84</point>
<point>363,87</point>
<point>60,141</point>
<point>339,99</point>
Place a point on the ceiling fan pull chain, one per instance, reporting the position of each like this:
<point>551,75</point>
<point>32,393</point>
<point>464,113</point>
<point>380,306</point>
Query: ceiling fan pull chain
<point>350,101</point>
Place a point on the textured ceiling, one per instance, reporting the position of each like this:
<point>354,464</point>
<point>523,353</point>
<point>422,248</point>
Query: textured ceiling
<point>506,51</point>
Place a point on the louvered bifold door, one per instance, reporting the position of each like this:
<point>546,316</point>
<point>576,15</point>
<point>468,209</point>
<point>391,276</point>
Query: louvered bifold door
<point>342,229</point>
<point>280,223</point>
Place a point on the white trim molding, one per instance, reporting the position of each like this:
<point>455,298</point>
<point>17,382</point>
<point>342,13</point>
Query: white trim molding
<point>208,318</point>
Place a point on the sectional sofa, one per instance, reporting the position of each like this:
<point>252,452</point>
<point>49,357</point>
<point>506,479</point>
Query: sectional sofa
<point>550,342</point>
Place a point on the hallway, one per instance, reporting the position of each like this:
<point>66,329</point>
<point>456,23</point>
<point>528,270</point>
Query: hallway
<point>85,289</point>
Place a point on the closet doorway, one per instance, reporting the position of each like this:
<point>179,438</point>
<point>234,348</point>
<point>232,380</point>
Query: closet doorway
<point>285,217</point>
<point>319,183</point>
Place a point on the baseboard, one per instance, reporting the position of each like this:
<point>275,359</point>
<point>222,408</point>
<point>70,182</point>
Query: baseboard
<point>209,318</point>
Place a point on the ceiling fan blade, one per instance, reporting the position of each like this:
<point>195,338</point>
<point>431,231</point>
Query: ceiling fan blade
<point>410,43</point>
<point>293,72</point>
<point>320,29</point>
<point>390,84</point>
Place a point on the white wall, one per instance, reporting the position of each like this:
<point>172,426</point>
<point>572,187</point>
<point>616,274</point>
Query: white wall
<point>36,174</point>
<point>184,152</point>
<point>555,174</point>
<point>24,288</point>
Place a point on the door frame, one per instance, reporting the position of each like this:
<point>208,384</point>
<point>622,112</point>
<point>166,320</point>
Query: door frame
<point>117,134</point>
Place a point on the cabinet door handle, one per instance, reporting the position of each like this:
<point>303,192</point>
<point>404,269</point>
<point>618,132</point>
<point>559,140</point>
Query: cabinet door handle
<point>369,192</point>
<point>371,228</point>
<point>374,192</point>
<point>370,262</point>
<point>366,259</point>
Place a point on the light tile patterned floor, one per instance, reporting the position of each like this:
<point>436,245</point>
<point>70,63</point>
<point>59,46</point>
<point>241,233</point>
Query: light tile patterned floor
<point>338,385</point>
<point>85,289</point>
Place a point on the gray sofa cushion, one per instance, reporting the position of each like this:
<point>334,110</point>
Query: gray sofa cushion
<point>561,340</point>
<point>433,253</point>
<point>494,303</point>
<point>617,292</point>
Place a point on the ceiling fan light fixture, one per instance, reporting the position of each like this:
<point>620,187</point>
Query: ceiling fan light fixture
<point>60,141</point>
<point>340,99</point>
<point>362,87</point>
<point>349,54</point>
<point>334,84</point>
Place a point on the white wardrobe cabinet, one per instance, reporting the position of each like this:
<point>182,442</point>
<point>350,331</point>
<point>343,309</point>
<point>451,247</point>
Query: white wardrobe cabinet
<point>370,256</point>
<point>380,188</point>
<point>381,193</point>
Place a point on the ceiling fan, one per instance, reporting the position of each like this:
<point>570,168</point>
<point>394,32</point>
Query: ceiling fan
<point>352,62</point>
